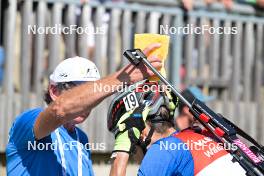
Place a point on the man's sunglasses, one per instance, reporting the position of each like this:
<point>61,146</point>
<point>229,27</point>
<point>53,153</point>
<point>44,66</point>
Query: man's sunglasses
<point>68,85</point>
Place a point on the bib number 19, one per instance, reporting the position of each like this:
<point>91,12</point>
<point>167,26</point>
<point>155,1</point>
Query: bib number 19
<point>130,101</point>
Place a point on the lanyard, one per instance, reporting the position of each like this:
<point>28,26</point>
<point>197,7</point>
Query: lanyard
<point>61,151</point>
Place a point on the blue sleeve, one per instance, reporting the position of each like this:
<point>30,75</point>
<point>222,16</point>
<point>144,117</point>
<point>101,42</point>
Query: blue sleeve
<point>22,130</point>
<point>158,161</point>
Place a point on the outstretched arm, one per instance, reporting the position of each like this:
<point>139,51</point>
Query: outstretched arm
<point>82,99</point>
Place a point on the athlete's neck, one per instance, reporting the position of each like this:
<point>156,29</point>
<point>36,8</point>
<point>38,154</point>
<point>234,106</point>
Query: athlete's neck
<point>157,136</point>
<point>70,127</point>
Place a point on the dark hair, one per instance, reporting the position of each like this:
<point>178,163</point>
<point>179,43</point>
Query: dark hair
<point>60,87</point>
<point>187,94</point>
<point>164,122</point>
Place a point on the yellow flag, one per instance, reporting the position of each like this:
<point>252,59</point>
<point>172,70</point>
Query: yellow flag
<point>143,40</point>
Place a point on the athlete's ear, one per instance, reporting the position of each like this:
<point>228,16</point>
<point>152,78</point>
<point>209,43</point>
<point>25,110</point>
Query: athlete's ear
<point>188,114</point>
<point>185,110</point>
<point>53,91</point>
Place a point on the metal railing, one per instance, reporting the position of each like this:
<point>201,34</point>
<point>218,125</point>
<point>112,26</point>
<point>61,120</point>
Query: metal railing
<point>228,66</point>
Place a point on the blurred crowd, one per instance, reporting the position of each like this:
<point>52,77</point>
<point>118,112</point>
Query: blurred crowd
<point>188,4</point>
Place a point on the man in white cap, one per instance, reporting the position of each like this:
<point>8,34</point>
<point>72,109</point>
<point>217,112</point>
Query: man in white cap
<point>46,141</point>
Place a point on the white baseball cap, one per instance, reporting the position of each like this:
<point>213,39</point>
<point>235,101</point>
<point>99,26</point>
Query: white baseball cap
<point>75,69</point>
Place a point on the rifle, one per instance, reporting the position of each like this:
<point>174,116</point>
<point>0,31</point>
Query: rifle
<point>250,158</point>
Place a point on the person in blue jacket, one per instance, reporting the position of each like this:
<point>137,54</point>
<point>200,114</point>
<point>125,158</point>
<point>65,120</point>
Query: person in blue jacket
<point>46,141</point>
